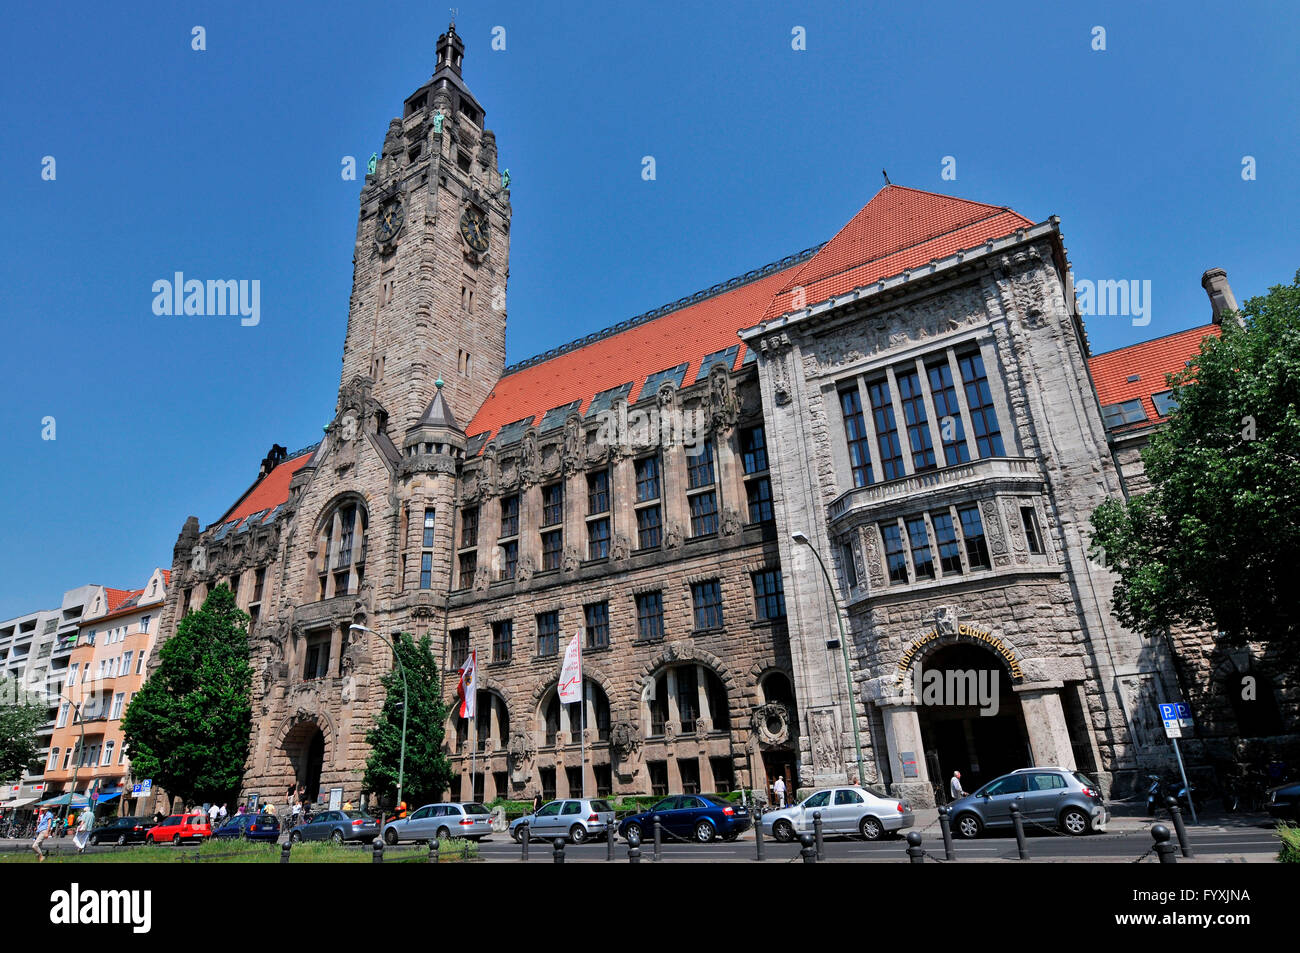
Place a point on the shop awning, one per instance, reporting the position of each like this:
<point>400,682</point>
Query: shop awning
<point>21,802</point>
<point>108,796</point>
<point>64,799</point>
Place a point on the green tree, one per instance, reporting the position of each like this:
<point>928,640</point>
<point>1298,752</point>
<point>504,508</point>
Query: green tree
<point>187,728</point>
<point>21,716</point>
<point>1216,540</point>
<point>428,770</point>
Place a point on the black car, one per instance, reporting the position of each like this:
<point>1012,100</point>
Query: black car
<point>121,830</point>
<point>1284,801</point>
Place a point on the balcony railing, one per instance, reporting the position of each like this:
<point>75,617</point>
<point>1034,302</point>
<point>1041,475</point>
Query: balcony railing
<point>976,471</point>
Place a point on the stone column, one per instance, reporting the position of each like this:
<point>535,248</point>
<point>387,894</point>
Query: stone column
<point>1049,735</point>
<point>903,734</point>
<point>705,721</point>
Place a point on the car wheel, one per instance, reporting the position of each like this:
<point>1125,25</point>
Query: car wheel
<point>704,832</point>
<point>390,837</point>
<point>121,840</point>
<point>176,840</point>
<point>870,828</point>
<point>578,833</point>
<point>969,826</point>
<point>295,838</point>
<point>783,831</point>
<point>337,838</point>
<point>444,834</point>
<point>1074,822</point>
<point>633,828</point>
<point>518,834</point>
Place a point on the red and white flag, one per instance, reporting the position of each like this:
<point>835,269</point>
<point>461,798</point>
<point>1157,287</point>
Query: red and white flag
<point>467,690</point>
<point>570,687</point>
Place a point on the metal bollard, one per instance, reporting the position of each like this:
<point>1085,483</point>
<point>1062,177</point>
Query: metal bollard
<point>945,825</point>
<point>634,848</point>
<point>1166,851</point>
<point>915,853</point>
<point>609,843</point>
<point>809,850</point>
<point>758,836</point>
<point>659,840</point>
<point>284,852</point>
<point>817,835</point>
<point>1176,813</point>
<point>1019,823</point>
<point>523,841</point>
<point>377,851</point>
<point>557,848</point>
<point>433,851</point>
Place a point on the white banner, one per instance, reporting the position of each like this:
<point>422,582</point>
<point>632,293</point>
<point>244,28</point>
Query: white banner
<point>570,687</point>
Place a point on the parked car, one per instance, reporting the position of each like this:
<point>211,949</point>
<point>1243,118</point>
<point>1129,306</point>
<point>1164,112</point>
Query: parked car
<point>699,816</point>
<point>181,827</point>
<point>1047,796</point>
<point>847,810</point>
<point>470,820</point>
<point>338,826</point>
<point>1284,801</point>
<point>121,830</point>
<point>578,819</point>
<point>254,827</point>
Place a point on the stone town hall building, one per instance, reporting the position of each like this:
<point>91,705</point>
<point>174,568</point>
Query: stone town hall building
<point>914,397</point>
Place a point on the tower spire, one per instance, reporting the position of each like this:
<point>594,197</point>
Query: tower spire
<point>451,48</point>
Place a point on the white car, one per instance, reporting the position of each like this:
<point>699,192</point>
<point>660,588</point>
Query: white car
<point>847,810</point>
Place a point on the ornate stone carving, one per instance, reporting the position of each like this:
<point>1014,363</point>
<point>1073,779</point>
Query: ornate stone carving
<point>571,560</point>
<point>824,744</point>
<point>489,471</point>
<point>731,525</point>
<point>672,538</point>
<point>682,649</point>
<point>781,391</point>
<point>723,407</point>
<point>993,530</point>
<point>520,750</point>
<point>573,453</point>
<point>621,549</point>
<point>875,569</point>
<point>530,464</point>
<point>771,723</point>
<point>945,620</point>
<point>624,739</point>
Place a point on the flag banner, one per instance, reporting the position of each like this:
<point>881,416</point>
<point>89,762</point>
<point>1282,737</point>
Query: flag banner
<point>468,687</point>
<point>570,687</point>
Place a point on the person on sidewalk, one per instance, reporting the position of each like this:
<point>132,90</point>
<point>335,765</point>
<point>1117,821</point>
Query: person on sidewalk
<point>83,831</point>
<point>778,789</point>
<point>42,832</point>
<point>954,786</point>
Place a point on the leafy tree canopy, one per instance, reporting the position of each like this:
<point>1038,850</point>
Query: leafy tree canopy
<point>21,715</point>
<point>188,726</point>
<point>1216,541</point>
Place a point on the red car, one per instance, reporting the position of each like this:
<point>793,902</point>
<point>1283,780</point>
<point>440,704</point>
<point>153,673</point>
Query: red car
<point>181,827</point>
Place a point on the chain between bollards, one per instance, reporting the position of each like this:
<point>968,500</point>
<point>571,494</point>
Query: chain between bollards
<point>557,849</point>
<point>1176,813</point>
<point>915,852</point>
<point>1166,851</point>
<point>659,837</point>
<point>945,825</point>
<point>523,841</point>
<point>817,835</point>
<point>809,850</point>
<point>1019,823</point>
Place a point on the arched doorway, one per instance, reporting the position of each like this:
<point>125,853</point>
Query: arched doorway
<point>970,716</point>
<point>305,746</point>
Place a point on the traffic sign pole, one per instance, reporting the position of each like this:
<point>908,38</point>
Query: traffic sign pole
<point>1191,802</point>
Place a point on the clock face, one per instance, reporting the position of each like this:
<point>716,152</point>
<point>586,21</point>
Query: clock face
<point>474,229</point>
<point>389,222</point>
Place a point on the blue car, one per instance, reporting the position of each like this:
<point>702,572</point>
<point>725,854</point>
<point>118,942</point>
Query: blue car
<point>259,827</point>
<point>699,817</point>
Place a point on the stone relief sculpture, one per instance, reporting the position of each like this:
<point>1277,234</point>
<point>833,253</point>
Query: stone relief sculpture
<point>573,444</point>
<point>771,722</point>
<point>825,747</point>
<point>624,739</point>
<point>530,464</point>
<point>723,407</point>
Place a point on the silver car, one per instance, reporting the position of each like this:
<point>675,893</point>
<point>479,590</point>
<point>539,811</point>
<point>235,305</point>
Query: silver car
<point>470,820</point>
<point>846,810</point>
<point>578,819</point>
<point>1046,796</point>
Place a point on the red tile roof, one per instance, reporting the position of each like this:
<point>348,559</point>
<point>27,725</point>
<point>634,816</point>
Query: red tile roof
<point>167,577</point>
<point>269,492</point>
<point>1149,361</point>
<point>118,596</point>
<point>898,229</point>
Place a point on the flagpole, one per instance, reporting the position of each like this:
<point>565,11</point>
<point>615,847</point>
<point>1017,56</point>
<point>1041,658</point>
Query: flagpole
<point>584,737</point>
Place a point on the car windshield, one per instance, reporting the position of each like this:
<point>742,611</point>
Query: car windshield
<point>476,809</point>
<point>601,807</point>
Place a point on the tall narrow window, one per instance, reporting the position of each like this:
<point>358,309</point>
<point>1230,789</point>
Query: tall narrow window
<point>849,563</point>
<point>598,538</point>
<point>701,498</point>
<point>984,416</point>
<point>769,595</point>
<point>548,633</point>
<point>855,431</point>
<point>552,549</point>
<point>118,699</point>
<point>596,615</point>
<point>459,647</point>
<point>918,426</point>
<point>648,527</point>
<point>510,516</point>
<point>426,570</point>
<point>650,615</point>
<point>758,486</point>
<point>972,530</point>
<point>468,568</point>
<point>552,504</point>
<point>952,432</point>
<point>1033,536</point>
<point>919,540</point>
<point>509,560</point>
<point>946,536</point>
<point>688,697</point>
<point>895,557</point>
<point>647,479</point>
<point>598,493</point>
<point>502,640</point>
<point>882,413</point>
<point>469,527</point>
<point>428,528</point>
<point>707,598</point>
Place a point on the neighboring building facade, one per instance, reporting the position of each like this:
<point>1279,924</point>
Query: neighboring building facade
<point>106,667</point>
<point>913,398</point>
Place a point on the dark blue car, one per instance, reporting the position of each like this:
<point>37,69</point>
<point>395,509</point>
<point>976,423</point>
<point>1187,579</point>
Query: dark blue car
<point>263,827</point>
<point>700,817</point>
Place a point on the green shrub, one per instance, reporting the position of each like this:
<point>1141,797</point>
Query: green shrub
<point>1290,852</point>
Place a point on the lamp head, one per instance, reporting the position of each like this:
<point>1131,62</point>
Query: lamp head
<point>800,538</point>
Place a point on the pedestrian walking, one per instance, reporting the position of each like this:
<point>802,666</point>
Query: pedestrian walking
<point>778,790</point>
<point>83,831</point>
<point>42,832</point>
<point>537,802</point>
<point>954,786</point>
<point>213,811</point>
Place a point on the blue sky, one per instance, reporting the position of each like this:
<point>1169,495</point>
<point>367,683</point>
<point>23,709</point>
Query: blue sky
<point>226,163</point>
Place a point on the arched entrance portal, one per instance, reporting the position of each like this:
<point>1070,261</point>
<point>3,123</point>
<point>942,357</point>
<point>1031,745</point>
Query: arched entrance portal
<point>305,746</point>
<point>970,716</point>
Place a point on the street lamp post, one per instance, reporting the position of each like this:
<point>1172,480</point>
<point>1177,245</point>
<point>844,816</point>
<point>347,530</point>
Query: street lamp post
<point>401,758</point>
<point>81,753</point>
<point>844,648</point>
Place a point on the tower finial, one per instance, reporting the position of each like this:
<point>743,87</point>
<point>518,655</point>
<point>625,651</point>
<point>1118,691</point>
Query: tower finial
<point>453,17</point>
<point>886,175</point>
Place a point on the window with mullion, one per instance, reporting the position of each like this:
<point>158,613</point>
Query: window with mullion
<point>598,493</point>
<point>596,615</point>
<point>650,615</point>
<point>649,527</point>
<point>428,527</point>
<point>552,549</point>
<point>769,595</point>
<point>704,513</point>
<point>510,516</point>
<point>984,416</point>
<point>952,432</point>
<point>972,531</point>
<point>753,450</point>
<point>598,538</point>
<point>509,559</point>
<point>459,647</point>
<point>919,539</point>
<point>468,567</point>
<point>502,640</point>
<point>426,570</point>
<point>946,536</point>
<point>912,398</point>
<point>707,599</point>
<point>469,527</point>
<point>553,504</point>
<point>647,479</point>
<point>548,633</point>
<point>699,466</point>
<point>895,557</point>
<point>855,432</point>
<point>882,414</point>
<point>758,493</point>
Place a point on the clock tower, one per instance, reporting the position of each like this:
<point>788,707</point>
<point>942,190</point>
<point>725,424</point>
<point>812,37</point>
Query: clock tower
<point>432,255</point>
